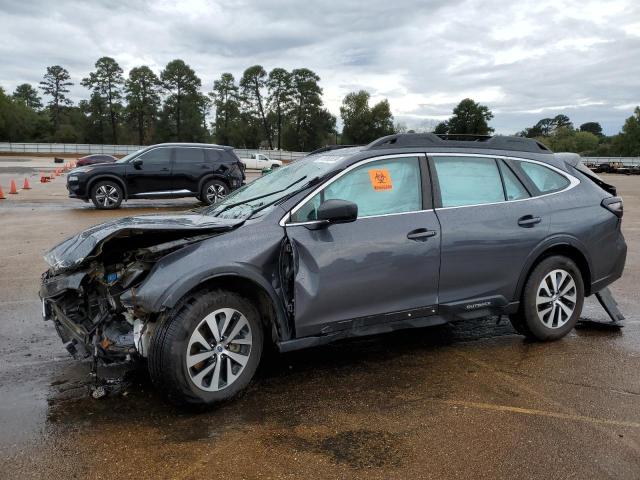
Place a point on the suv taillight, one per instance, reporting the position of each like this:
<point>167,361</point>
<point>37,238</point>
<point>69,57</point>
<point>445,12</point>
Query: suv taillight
<point>614,205</point>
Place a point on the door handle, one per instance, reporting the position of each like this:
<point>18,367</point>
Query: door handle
<point>528,221</point>
<point>421,234</point>
<point>164,170</point>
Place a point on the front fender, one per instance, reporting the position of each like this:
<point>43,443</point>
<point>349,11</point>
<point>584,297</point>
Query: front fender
<point>107,176</point>
<point>254,249</point>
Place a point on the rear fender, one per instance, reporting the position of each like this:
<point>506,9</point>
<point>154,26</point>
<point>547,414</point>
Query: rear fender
<point>543,249</point>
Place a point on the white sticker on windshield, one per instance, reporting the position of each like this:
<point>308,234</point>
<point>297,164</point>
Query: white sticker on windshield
<point>327,159</point>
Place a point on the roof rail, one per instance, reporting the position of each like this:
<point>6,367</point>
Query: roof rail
<point>328,148</point>
<point>498,142</point>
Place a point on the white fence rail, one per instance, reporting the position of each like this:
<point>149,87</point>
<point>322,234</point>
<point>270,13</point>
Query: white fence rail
<point>86,149</point>
<point>628,161</point>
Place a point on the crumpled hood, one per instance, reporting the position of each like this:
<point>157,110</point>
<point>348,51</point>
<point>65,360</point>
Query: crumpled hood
<point>73,251</point>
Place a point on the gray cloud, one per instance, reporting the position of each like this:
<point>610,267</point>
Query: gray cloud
<point>526,59</point>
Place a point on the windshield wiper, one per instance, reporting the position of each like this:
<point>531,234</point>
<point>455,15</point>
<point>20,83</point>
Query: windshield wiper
<point>258,197</point>
<point>310,183</point>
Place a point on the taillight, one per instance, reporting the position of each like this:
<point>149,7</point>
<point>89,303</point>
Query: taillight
<point>614,205</point>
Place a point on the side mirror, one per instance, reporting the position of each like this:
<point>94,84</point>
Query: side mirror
<point>338,211</point>
<point>137,163</point>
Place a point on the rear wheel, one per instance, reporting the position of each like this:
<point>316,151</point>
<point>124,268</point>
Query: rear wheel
<point>106,195</point>
<point>213,191</point>
<point>552,300</point>
<point>208,350</point>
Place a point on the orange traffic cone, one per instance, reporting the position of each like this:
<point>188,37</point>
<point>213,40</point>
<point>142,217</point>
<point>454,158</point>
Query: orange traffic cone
<point>2,197</point>
<point>26,185</point>
<point>13,189</point>
<point>43,178</point>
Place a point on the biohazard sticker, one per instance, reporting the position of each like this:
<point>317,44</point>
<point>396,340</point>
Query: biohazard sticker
<point>380,179</point>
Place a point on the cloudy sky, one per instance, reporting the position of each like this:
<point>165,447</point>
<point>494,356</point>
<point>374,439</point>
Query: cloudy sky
<point>525,59</point>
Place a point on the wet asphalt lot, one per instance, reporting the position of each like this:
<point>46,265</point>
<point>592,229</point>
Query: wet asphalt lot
<point>467,400</point>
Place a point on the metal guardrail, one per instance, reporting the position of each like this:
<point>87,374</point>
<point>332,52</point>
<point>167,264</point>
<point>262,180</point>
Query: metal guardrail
<point>627,161</point>
<point>87,149</point>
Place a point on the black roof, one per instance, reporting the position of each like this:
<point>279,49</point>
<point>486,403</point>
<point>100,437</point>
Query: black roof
<point>498,142</point>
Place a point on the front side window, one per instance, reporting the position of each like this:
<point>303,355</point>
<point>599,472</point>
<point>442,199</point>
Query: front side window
<point>545,179</point>
<point>468,181</point>
<point>157,156</point>
<point>378,188</point>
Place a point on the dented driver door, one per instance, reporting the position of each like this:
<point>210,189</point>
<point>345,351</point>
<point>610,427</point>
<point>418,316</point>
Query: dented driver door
<point>381,267</point>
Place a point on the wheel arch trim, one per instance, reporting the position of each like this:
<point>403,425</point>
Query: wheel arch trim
<point>212,176</point>
<point>562,245</point>
<point>229,278</point>
<point>103,177</point>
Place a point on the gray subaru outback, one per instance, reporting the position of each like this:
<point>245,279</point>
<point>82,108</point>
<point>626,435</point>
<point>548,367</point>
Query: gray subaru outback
<point>410,231</point>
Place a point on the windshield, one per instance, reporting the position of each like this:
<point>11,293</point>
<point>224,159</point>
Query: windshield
<point>126,158</point>
<point>272,187</point>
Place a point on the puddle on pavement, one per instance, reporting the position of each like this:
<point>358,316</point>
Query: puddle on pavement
<point>305,371</point>
<point>290,391</point>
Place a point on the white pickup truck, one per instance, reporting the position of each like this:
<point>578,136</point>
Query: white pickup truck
<point>259,161</point>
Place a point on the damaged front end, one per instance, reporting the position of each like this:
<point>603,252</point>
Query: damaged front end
<point>81,292</point>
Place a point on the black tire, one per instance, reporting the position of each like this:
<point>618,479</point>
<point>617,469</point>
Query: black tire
<point>213,191</point>
<point>528,322</point>
<point>106,195</point>
<point>168,352</point>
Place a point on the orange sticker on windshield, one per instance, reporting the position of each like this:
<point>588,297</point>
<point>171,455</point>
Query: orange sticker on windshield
<point>380,179</point>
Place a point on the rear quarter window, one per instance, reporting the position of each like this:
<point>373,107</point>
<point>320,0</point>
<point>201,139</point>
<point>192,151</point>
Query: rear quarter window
<point>545,179</point>
<point>214,155</point>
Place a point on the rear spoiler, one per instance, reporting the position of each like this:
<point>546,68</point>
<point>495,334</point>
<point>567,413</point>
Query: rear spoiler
<point>574,160</point>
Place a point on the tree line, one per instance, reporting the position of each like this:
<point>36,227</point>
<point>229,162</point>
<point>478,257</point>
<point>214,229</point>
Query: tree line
<point>559,134</point>
<point>277,109</point>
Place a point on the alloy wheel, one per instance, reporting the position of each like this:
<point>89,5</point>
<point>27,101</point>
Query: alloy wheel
<point>556,298</point>
<point>215,193</point>
<point>219,349</point>
<point>107,195</point>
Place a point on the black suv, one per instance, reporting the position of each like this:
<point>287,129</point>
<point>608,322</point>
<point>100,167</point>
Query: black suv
<point>409,231</point>
<point>168,170</point>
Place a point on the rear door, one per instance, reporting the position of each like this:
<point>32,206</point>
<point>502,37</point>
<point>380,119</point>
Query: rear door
<point>190,165</point>
<point>153,175</point>
<point>380,268</point>
<point>490,223</point>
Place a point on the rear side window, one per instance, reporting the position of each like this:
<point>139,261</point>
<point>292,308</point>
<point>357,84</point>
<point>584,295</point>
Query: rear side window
<point>545,179</point>
<point>513,188</point>
<point>378,188</point>
<point>189,155</point>
<point>468,181</point>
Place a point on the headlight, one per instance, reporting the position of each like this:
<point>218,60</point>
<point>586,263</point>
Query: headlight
<point>72,178</point>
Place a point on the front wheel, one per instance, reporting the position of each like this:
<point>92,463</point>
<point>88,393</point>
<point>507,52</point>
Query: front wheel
<point>106,195</point>
<point>552,300</point>
<point>213,191</point>
<point>208,350</point>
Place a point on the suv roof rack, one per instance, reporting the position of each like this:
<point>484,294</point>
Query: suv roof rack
<point>498,142</point>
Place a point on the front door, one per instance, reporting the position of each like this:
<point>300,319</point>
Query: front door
<point>386,262</point>
<point>153,175</point>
